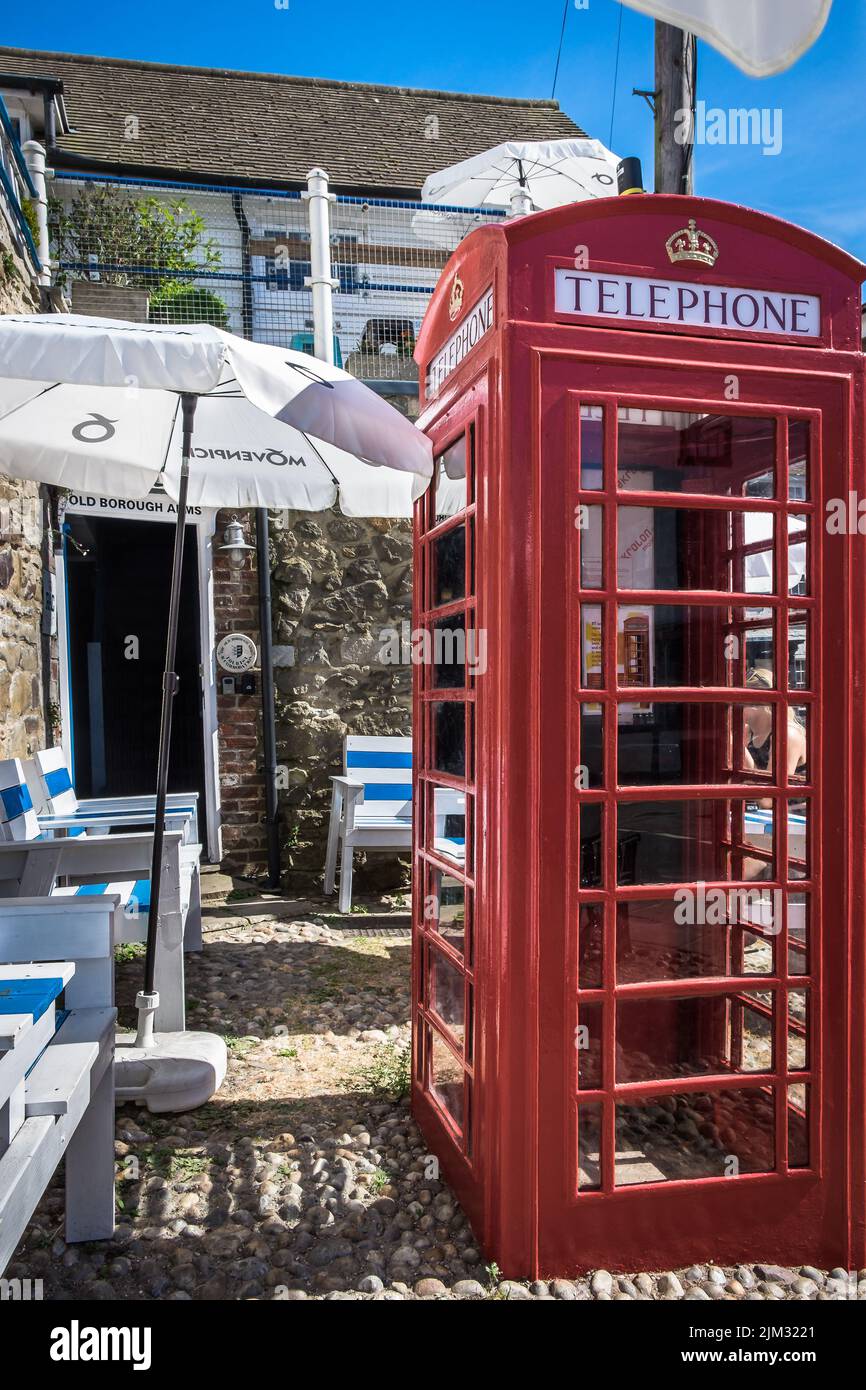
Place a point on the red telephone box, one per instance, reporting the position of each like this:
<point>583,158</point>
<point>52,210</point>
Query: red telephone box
<point>639,740</point>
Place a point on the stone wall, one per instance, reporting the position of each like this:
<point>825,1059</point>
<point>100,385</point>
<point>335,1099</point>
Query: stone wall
<point>22,713</point>
<point>337,583</point>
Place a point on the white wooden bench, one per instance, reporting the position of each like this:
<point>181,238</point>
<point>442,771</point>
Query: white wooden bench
<point>58,808</point>
<point>35,864</point>
<point>371,805</point>
<point>371,808</point>
<point>56,1072</point>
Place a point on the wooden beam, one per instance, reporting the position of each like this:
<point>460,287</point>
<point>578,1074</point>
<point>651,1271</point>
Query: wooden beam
<point>675,73</point>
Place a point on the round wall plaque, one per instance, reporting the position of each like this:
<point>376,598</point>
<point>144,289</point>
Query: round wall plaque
<point>237,652</point>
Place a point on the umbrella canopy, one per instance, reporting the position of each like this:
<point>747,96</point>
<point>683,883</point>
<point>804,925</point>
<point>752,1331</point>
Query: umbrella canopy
<point>550,172</point>
<point>93,404</point>
<point>760,36</point>
<point>110,407</point>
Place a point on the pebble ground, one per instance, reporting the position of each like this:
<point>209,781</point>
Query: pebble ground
<point>302,1179</point>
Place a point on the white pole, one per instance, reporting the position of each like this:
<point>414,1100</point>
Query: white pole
<point>320,278</point>
<point>34,157</point>
<point>521,203</point>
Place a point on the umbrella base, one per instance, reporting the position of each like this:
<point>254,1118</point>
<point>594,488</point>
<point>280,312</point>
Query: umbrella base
<point>175,1072</point>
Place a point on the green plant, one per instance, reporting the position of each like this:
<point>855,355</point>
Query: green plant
<point>390,1072</point>
<point>29,211</point>
<point>137,242</point>
<point>493,1274</point>
<point>378,1179</point>
<point>129,950</point>
<point>238,1046</point>
<point>177,302</point>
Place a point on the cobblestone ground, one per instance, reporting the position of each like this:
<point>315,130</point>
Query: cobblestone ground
<point>303,1179</point>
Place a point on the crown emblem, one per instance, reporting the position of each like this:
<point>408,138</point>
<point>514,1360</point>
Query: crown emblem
<point>455,303</point>
<point>692,245</point>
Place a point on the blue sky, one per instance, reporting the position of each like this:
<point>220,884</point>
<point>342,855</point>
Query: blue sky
<point>509,48</point>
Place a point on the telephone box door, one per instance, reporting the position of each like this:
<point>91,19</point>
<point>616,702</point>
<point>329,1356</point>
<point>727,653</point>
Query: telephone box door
<point>694,956</point>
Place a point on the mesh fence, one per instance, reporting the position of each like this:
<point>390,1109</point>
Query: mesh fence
<point>239,259</point>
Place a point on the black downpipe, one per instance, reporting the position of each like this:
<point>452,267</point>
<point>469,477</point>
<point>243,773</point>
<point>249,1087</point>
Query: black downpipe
<point>269,723</point>
<point>263,560</point>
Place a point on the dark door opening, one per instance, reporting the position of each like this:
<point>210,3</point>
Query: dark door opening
<point>119,574</point>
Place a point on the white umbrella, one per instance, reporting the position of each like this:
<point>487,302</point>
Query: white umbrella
<point>760,36</point>
<point>549,173</point>
<point>107,407</point>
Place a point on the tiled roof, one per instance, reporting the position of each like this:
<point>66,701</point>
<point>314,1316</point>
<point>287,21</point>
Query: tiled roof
<point>207,123</point>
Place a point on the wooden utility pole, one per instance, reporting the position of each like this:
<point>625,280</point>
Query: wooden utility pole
<point>675,73</point>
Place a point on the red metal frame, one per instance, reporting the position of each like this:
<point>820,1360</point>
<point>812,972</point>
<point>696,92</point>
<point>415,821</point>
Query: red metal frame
<point>515,1162</point>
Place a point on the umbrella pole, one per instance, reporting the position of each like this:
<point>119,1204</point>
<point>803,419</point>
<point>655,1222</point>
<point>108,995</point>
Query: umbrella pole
<point>148,1000</point>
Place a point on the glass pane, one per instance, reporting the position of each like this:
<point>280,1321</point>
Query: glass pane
<point>798,651</point>
<point>590,523</point>
<point>798,1126</point>
<point>446,1076</point>
<point>798,1030</point>
<point>695,1135</point>
<point>664,1037</point>
<point>448,908</point>
<point>591,656</point>
<point>590,946</point>
<point>799,448</point>
<point>591,446</point>
<point>588,1041</point>
<point>798,555</point>
<point>666,744</point>
<point>449,737</point>
<point>703,932</point>
<point>591,859</point>
<point>692,646</point>
<point>721,455</point>
<point>447,994</point>
<point>713,840</point>
<point>449,566</point>
<point>799,815</point>
<point>449,823</point>
<point>798,934</point>
<point>450,473</point>
<point>589,1147</point>
<point>590,772</point>
<point>674,548</point>
<point>449,643</point>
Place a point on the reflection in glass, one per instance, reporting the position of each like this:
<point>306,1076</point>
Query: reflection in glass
<point>666,744</point>
<point>589,1047</point>
<point>591,860</point>
<point>591,533</point>
<point>447,994</point>
<point>798,1126</point>
<point>450,904</point>
<point>589,1147</point>
<point>798,1030</point>
<point>449,653</point>
<point>674,548</point>
<point>799,446</point>
<point>798,934</point>
<point>591,770</point>
<point>449,737</point>
<point>449,823</point>
<point>683,841</point>
<point>696,934</point>
<point>590,946</point>
<point>450,474</point>
<point>446,1076</point>
<point>449,566</point>
<point>591,446</point>
<point>696,645</point>
<point>665,1037</point>
<point>719,455</point>
<point>695,1135</point>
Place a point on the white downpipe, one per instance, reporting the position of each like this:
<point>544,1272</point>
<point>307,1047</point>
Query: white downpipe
<point>320,279</point>
<point>34,157</point>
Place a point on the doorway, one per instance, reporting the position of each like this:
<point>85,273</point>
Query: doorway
<point>118,578</point>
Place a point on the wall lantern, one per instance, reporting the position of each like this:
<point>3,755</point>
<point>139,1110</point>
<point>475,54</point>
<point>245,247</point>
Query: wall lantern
<point>234,544</point>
